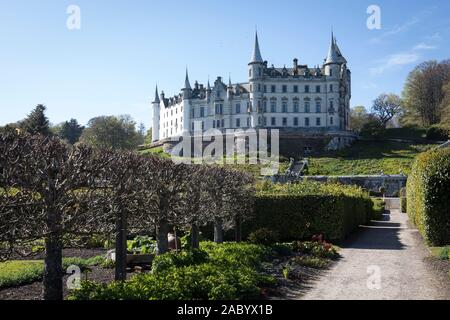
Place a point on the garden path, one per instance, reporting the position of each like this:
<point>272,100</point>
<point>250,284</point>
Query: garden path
<point>385,260</point>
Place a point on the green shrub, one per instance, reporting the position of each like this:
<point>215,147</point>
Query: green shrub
<point>228,272</point>
<point>428,196</point>
<point>263,236</point>
<point>378,209</point>
<point>175,260</point>
<point>314,248</point>
<point>438,133</point>
<point>142,245</point>
<point>299,211</point>
<point>444,253</point>
<point>282,249</point>
<point>311,262</point>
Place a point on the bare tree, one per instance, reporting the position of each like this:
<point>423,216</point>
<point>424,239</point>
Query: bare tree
<point>386,106</point>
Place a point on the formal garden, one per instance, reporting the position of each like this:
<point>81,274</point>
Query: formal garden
<point>232,237</point>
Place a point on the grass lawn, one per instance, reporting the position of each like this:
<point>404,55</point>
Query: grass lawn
<point>368,157</point>
<point>20,272</point>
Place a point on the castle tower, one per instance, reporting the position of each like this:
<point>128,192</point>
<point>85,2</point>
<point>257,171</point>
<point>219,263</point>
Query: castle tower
<point>156,116</point>
<point>331,64</point>
<point>187,94</point>
<point>255,75</point>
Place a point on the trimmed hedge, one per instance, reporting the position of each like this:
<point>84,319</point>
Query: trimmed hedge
<point>438,132</point>
<point>299,211</point>
<point>428,196</point>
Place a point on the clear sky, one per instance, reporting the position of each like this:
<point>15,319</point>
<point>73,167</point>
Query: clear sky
<point>111,65</point>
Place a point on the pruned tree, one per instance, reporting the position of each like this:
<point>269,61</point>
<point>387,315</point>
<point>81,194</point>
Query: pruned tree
<point>47,191</point>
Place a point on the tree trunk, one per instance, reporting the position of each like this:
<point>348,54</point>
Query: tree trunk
<point>238,229</point>
<point>218,231</point>
<point>121,246</point>
<point>161,240</point>
<point>195,241</point>
<point>53,273</point>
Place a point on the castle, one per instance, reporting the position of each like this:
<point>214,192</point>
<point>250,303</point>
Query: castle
<point>297,99</point>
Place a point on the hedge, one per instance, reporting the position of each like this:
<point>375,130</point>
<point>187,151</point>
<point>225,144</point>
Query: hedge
<point>428,196</point>
<point>438,132</point>
<point>302,210</point>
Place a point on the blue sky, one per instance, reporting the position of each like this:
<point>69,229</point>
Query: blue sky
<point>111,65</point>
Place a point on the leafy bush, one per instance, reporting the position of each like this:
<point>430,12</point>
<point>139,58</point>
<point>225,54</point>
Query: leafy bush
<point>444,253</point>
<point>428,196</point>
<point>229,271</point>
<point>438,133</point>
<point>378,209</point>
<point>301,210</point>
<point>315,248</point>
<point>175,260</point>
<point>142,245</point>
<point>309,261</point>
<point>263,236</point>
<point>282,249</point>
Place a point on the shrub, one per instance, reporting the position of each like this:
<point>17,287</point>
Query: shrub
<point>228,272</point>
<point>142,245</point>
<point>444,253</point>
<point>438,133</point>
<point>263,236</point>
<point>428,196</point>
<point>171,260</point>
<point>378,209</point>
<point>311,262</point>
<point>314,248</point>
<point>301,210</point>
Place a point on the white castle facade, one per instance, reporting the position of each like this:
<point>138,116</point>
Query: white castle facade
<point>298,98</point>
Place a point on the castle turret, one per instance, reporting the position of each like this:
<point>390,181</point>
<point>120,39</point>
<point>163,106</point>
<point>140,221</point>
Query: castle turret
<point>156,116</point>
<point>187,94</point>
<point>331,64</point>
<point>255,73</point>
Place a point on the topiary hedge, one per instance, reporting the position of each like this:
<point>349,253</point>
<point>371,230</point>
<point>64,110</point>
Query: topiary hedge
<point>302,210</point>
<point>428,195</point>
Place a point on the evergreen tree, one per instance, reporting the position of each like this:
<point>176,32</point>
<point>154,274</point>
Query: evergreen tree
<point>36,122</point>
<point>70,131</point>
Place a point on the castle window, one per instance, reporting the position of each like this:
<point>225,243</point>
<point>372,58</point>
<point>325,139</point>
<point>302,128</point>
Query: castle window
<point>284,88</point>
<point>202,112</point>
<point>273,89</point>
<point>264,106</point>
<point>265,88</point>
<point>218,124</point>
<point>192,126</point>
<point>238,108</point>
<point>331,104</point>
<point>259,121</point>
<point>318,107</point>
<point>222,123</point>
<point>296,122</point>
<point>285,107</point>
<point>284,122</point>
<point>295,89</point>
<point>318,122</point>
<point>307,107</point>
<point>203,125</point>
<point>331,88</point>
<point>306,122</point>
<point>219,108</point>
<point>248,122</point>
<point>259,87</point>
<point>296,109</point>
<point>259,72</point>
<point>264,120</point>
<point>331,72</point>
<point>250,73</point>
<point>331,120</point>
<point>307,88</point>
<point>193,113</point>
<point>238,123</point>
<point>273,121</point>
<point>214,123</point>
<point>317,89</point>
<point>273,106</point>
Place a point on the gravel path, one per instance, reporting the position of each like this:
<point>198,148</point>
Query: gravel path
<point>386,260</point>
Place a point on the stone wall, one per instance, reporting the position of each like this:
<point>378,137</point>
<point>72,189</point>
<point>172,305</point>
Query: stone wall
<point>391,183</point>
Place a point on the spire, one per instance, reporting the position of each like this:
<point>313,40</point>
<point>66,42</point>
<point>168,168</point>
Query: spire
<point>229,82</point>
<point>256,52</point>
<point>187,85</point>
<point>156,96</point>
<point>332,52</point>
<point>208,87</point>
